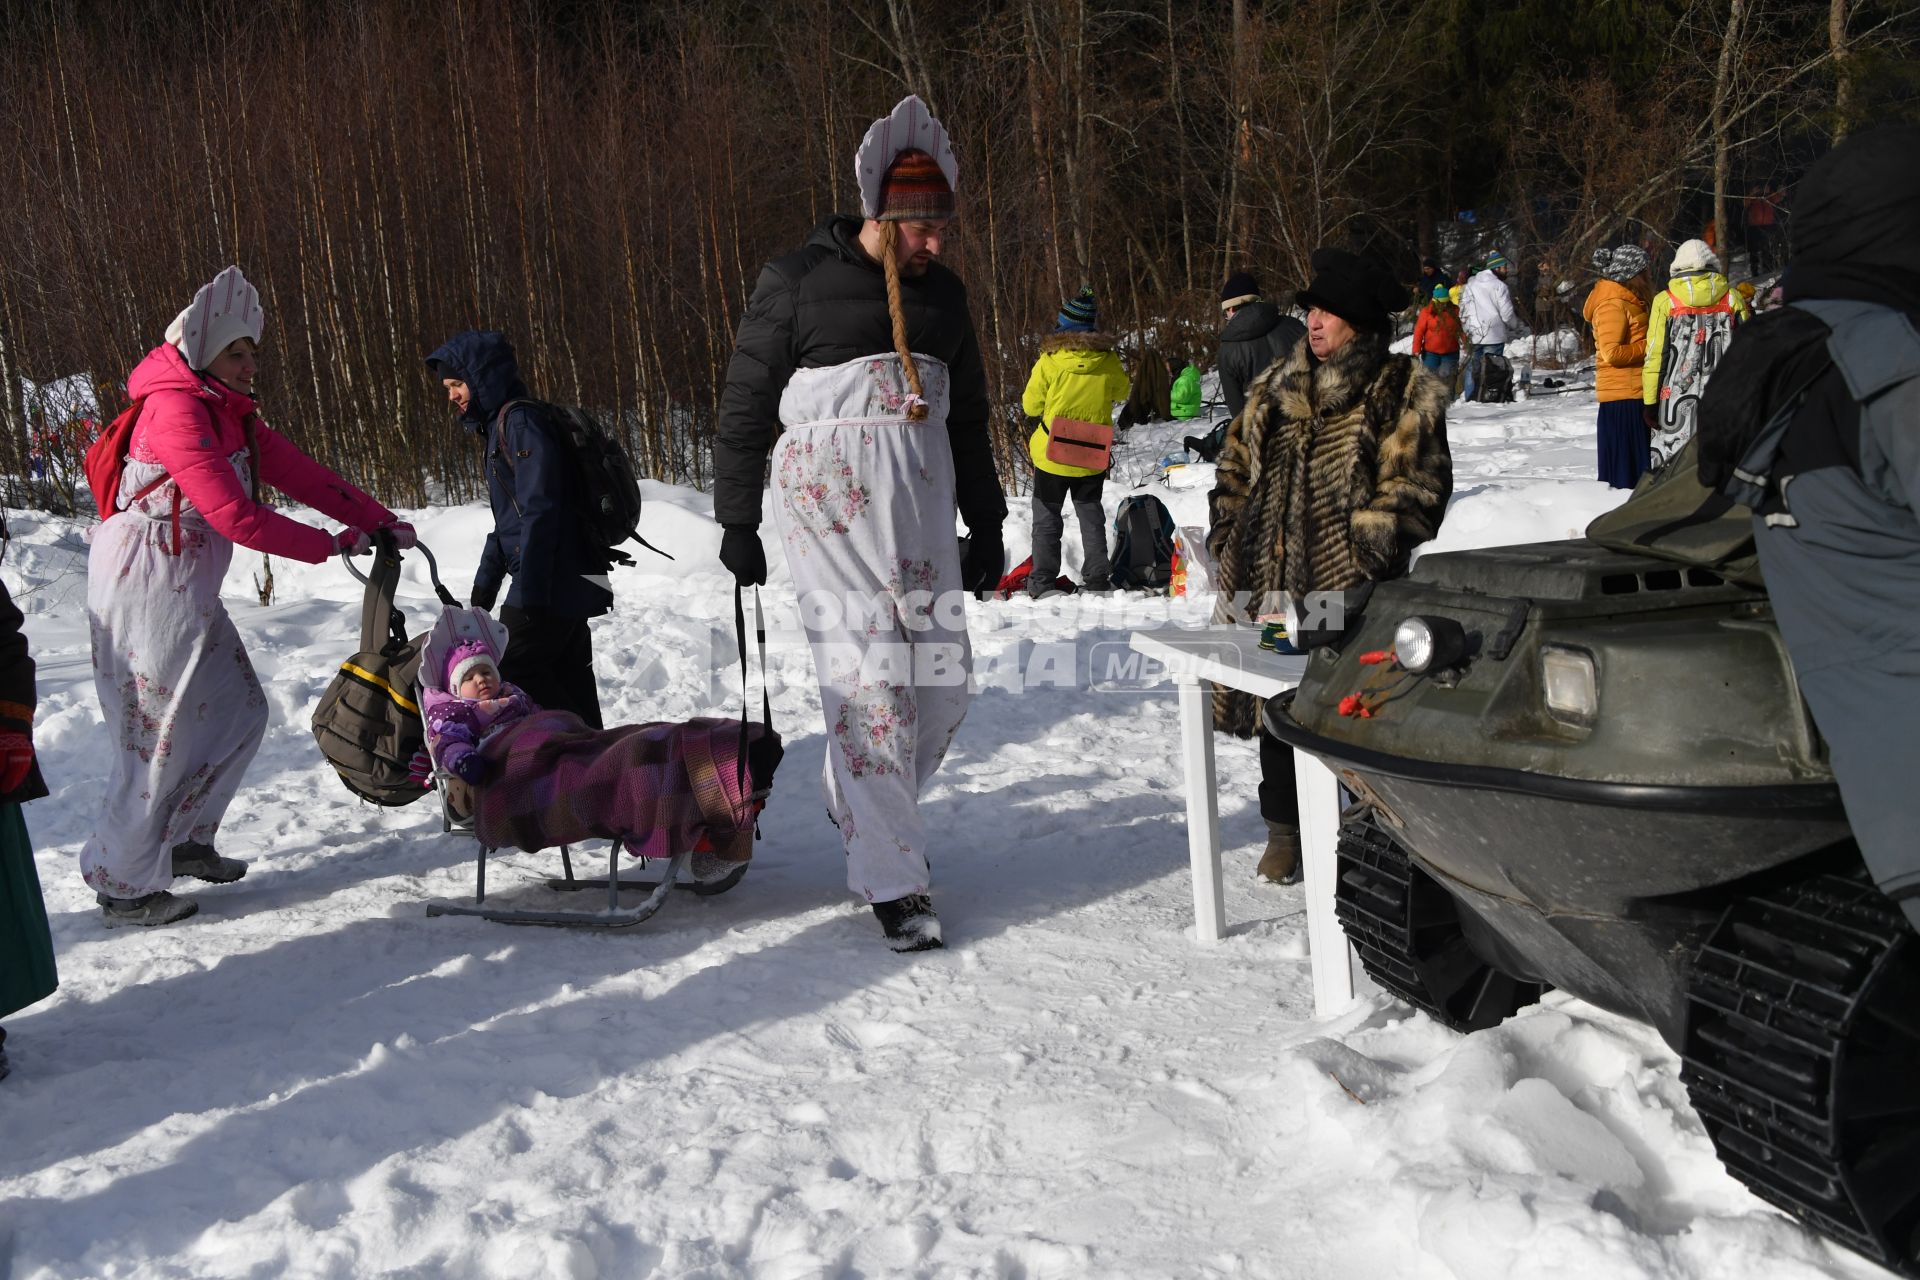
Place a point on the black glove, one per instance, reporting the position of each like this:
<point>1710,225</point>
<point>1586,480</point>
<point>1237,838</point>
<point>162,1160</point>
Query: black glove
<point>482,599</point>
<point>1650,415</point>
<point>985,561</point>
<point>742,554</point>
<point>470,768</point>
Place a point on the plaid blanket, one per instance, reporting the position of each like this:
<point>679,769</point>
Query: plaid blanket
<point>661,788</point>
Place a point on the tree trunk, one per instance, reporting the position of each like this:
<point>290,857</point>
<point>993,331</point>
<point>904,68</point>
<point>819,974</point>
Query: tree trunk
<point>1842,68</point>
<point>1037,79</point>
<point>1242,158</point>
<point>1722,96</point>
<point>1180,150</point>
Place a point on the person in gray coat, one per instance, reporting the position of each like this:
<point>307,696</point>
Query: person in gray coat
<point>1833,477</point>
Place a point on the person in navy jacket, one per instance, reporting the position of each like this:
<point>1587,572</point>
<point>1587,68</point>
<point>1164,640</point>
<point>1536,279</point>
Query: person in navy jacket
<point>559,573</point>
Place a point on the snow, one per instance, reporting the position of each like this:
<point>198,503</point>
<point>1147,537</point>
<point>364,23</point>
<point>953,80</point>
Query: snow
<point>312,1079</point>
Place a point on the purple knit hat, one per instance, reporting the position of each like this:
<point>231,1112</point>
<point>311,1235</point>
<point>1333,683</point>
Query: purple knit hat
<point>465,657</point>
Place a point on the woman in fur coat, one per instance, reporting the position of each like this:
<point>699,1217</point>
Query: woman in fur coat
<point>1333,473</point>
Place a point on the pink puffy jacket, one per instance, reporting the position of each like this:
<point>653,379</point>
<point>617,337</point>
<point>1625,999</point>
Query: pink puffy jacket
<point>193,426</point>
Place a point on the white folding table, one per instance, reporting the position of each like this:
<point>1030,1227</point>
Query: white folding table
<point>1232,656</point>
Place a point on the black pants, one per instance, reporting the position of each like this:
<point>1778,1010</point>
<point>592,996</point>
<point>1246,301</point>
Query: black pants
<point>551,659</point>
<point>1279,793</point>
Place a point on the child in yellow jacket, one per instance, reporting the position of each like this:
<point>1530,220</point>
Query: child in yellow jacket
<point>1078,376</point>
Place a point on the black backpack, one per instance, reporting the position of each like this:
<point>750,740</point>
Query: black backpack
<point>1143,544</point>
<point>609,494</point>
<point>1207,447</point>
<point>368,721</point>
<point>1494,383</point>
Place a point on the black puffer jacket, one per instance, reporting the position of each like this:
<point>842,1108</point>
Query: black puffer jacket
<point>826,305</point>
<point>1258,334</point>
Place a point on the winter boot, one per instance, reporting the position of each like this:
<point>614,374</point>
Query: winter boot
<point>910,923</point>
<point>1281,862</point>
<point>147,910</point>
<point>191,858</point>
<point>714,874</point>
<point>1097,586</point>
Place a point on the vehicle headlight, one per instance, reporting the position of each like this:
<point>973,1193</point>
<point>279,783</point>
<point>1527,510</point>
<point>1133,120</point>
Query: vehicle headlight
<point>1572,688</point>
<point>1429,644</point>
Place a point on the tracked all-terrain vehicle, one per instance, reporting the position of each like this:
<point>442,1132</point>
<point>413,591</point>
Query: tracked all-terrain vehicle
<point>1591,769</point>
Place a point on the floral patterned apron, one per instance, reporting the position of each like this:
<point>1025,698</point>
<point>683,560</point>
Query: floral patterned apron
<point>864,504</point>
<point>176,689</point>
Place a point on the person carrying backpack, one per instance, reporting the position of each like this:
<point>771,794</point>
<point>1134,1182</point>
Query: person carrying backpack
<point>539,536</point>
<point>1077,376</point>
<point>1688,330</point>
<point>173,679</point>
<point>1814,423</point>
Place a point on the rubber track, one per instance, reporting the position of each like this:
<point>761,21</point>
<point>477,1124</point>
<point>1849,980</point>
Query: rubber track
<point>1774,994</point>
<point>1374,890</point>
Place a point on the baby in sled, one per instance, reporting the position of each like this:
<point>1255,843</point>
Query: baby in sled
<point>533,779</point>
<point>474,705</point>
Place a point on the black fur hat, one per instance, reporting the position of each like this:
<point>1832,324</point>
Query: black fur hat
<point>1358,290</point>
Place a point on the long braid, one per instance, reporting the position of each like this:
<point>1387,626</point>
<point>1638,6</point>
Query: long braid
<point>890,263</point>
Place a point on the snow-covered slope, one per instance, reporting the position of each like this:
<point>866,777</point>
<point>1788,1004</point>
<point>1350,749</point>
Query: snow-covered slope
<point>312,1079</point>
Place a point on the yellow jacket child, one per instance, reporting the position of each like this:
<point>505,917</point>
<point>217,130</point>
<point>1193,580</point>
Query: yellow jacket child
<point>1078,376</point>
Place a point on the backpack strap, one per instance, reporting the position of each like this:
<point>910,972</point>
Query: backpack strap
<point>382,625</point>
<point>139,406</point>
<point>500,423</point>
<point>1680,308</point>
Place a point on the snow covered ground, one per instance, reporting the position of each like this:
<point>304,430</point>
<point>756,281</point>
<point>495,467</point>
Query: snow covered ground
<point>312,1079</point>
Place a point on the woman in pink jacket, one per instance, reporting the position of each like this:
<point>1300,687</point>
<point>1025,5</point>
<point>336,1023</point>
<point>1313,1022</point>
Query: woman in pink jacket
<point>175,685</point>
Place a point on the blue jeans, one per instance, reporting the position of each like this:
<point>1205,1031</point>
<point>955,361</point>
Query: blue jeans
<point>1442,367</point>
<point>1474,351</point>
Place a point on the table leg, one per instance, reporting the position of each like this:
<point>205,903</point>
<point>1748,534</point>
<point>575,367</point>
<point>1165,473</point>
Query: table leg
<point>1203,808</point>
<point>1319,837</point>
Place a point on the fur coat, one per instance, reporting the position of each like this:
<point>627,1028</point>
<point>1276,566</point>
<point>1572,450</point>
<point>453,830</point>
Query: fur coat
<point>1330,477</point>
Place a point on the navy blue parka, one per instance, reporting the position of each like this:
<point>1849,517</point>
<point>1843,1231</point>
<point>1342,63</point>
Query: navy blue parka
<point>532,487</point>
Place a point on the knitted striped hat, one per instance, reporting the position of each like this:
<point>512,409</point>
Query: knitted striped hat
<point>1081,312</point>
<point>1497,261</point>
<point>914,189</point>
<point>892,166</point>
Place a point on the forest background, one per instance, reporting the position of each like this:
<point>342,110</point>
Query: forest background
<point>602,179</point>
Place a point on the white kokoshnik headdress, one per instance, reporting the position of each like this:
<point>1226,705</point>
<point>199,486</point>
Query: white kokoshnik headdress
<point>226,308</point>
<point>908,127</point>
